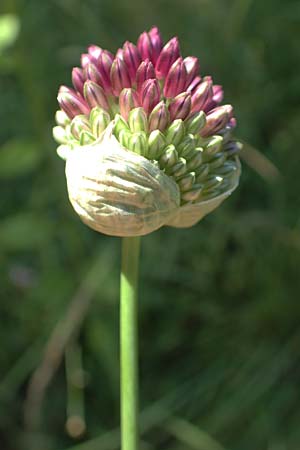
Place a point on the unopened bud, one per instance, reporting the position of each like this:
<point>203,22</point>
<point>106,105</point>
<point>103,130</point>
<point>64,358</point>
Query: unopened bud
<point>156,144</point>
<point>168,55</point>
<point>79,123</point>
<point>150,94</point>
<point>92,73</point>
<point>193,194</point>
<point>175,132</point>
<point>124,137</point>
<point>196,122</point>
<point>216,120</point>
<point>137,120</point>
<point>144,72</point>
<point>216,161</point>
<point>186,183</point>
<point>78,79</point>
<point>176,79</point>
<point>180,106</point>
<point>59,134</point>
<point>232,148</point>
<point>105,61</point>
<point>212,182</point>
<point>202,172</point>
<point>169,157</point>
<point>192,68</point>
<point>132,59</point>
<point>72,104</point>
<point>138,143</point>
<point>99,120</point>
<point>159,117</point>
<point>95,96</point>
<point>187,145</point>
<point>193,85</point>
<point>195,160</point>
<point>120,124</point>
<point>201,96</point>
<point>179,168</point>
<point>61,118</point>
<point>128,100</point>
<point>119,76</point>
<point>227,169</point>
<point>150,44</point>
<point>214,145</point>
<point>86,138</point>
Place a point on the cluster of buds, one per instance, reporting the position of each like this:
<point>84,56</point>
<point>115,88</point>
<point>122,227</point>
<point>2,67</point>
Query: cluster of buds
<point>154,103</point>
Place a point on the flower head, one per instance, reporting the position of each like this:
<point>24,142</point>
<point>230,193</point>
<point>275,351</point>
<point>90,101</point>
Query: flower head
<point>150,101</point>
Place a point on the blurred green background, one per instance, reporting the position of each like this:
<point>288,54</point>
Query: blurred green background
<point>219,303</point>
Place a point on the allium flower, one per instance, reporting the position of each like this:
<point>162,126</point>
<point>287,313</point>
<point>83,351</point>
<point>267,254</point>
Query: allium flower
<point>145,138</point>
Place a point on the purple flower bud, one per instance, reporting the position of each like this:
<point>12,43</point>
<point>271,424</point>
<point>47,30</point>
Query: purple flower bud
<point>217,119</point>
<point>157,43</point>
<point>217,97</point>
<point>159,117</point>
<point>201,96</point>
<point>85,60</point>
<point>180,106</point>
<point>94,52</point>
<point>144,72</point>
<point>192,68</point>
<point>132,59</point>
<point>218,93</point>
<point>120,54</point>
<point>150,45</point>
<point>78,79</point>
<point>167,56</point>
<point>119,76</point>
<point>193,85</point>
<point>95,96</point>
<point>176,79</point>
<point>150,94</point>
<point>72,103</point>
<point>128,100</point>
<point>104,64</point>
<point>92,73</point>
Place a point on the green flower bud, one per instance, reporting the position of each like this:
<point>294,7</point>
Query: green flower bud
<point>213,145</point>
<point>196,159</point>
<point>178,169</point>
<point>186,183</point>
<point>79,123</point>
<point>175,132</point>
<point>61,118</point>
<point>124,137</point>
<point>137,120</point>
<point>138,143</point>
<point>156,144</point>
<point>99,121</point>
<point>120,124</point>
<point>216,161</point>
<point>193,194</point>
<point>228,168</point>
<point>187,145</point>
<point>86,138</point>
<point>195,123</point>
<point>169,157</point>
<point>60,135</point>
<point>212,181</point>
<point>202,172</point>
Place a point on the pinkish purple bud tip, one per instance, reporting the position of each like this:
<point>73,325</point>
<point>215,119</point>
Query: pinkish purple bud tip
<point>148,74</point>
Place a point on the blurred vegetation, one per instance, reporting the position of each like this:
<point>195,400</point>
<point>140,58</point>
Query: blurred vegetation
<point>219,311</point>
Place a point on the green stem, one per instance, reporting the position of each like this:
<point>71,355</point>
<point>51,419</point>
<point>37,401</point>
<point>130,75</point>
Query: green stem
<point>129,343</point>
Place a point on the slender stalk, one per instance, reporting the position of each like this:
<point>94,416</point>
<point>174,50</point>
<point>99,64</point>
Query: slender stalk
<point>129,343</point>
